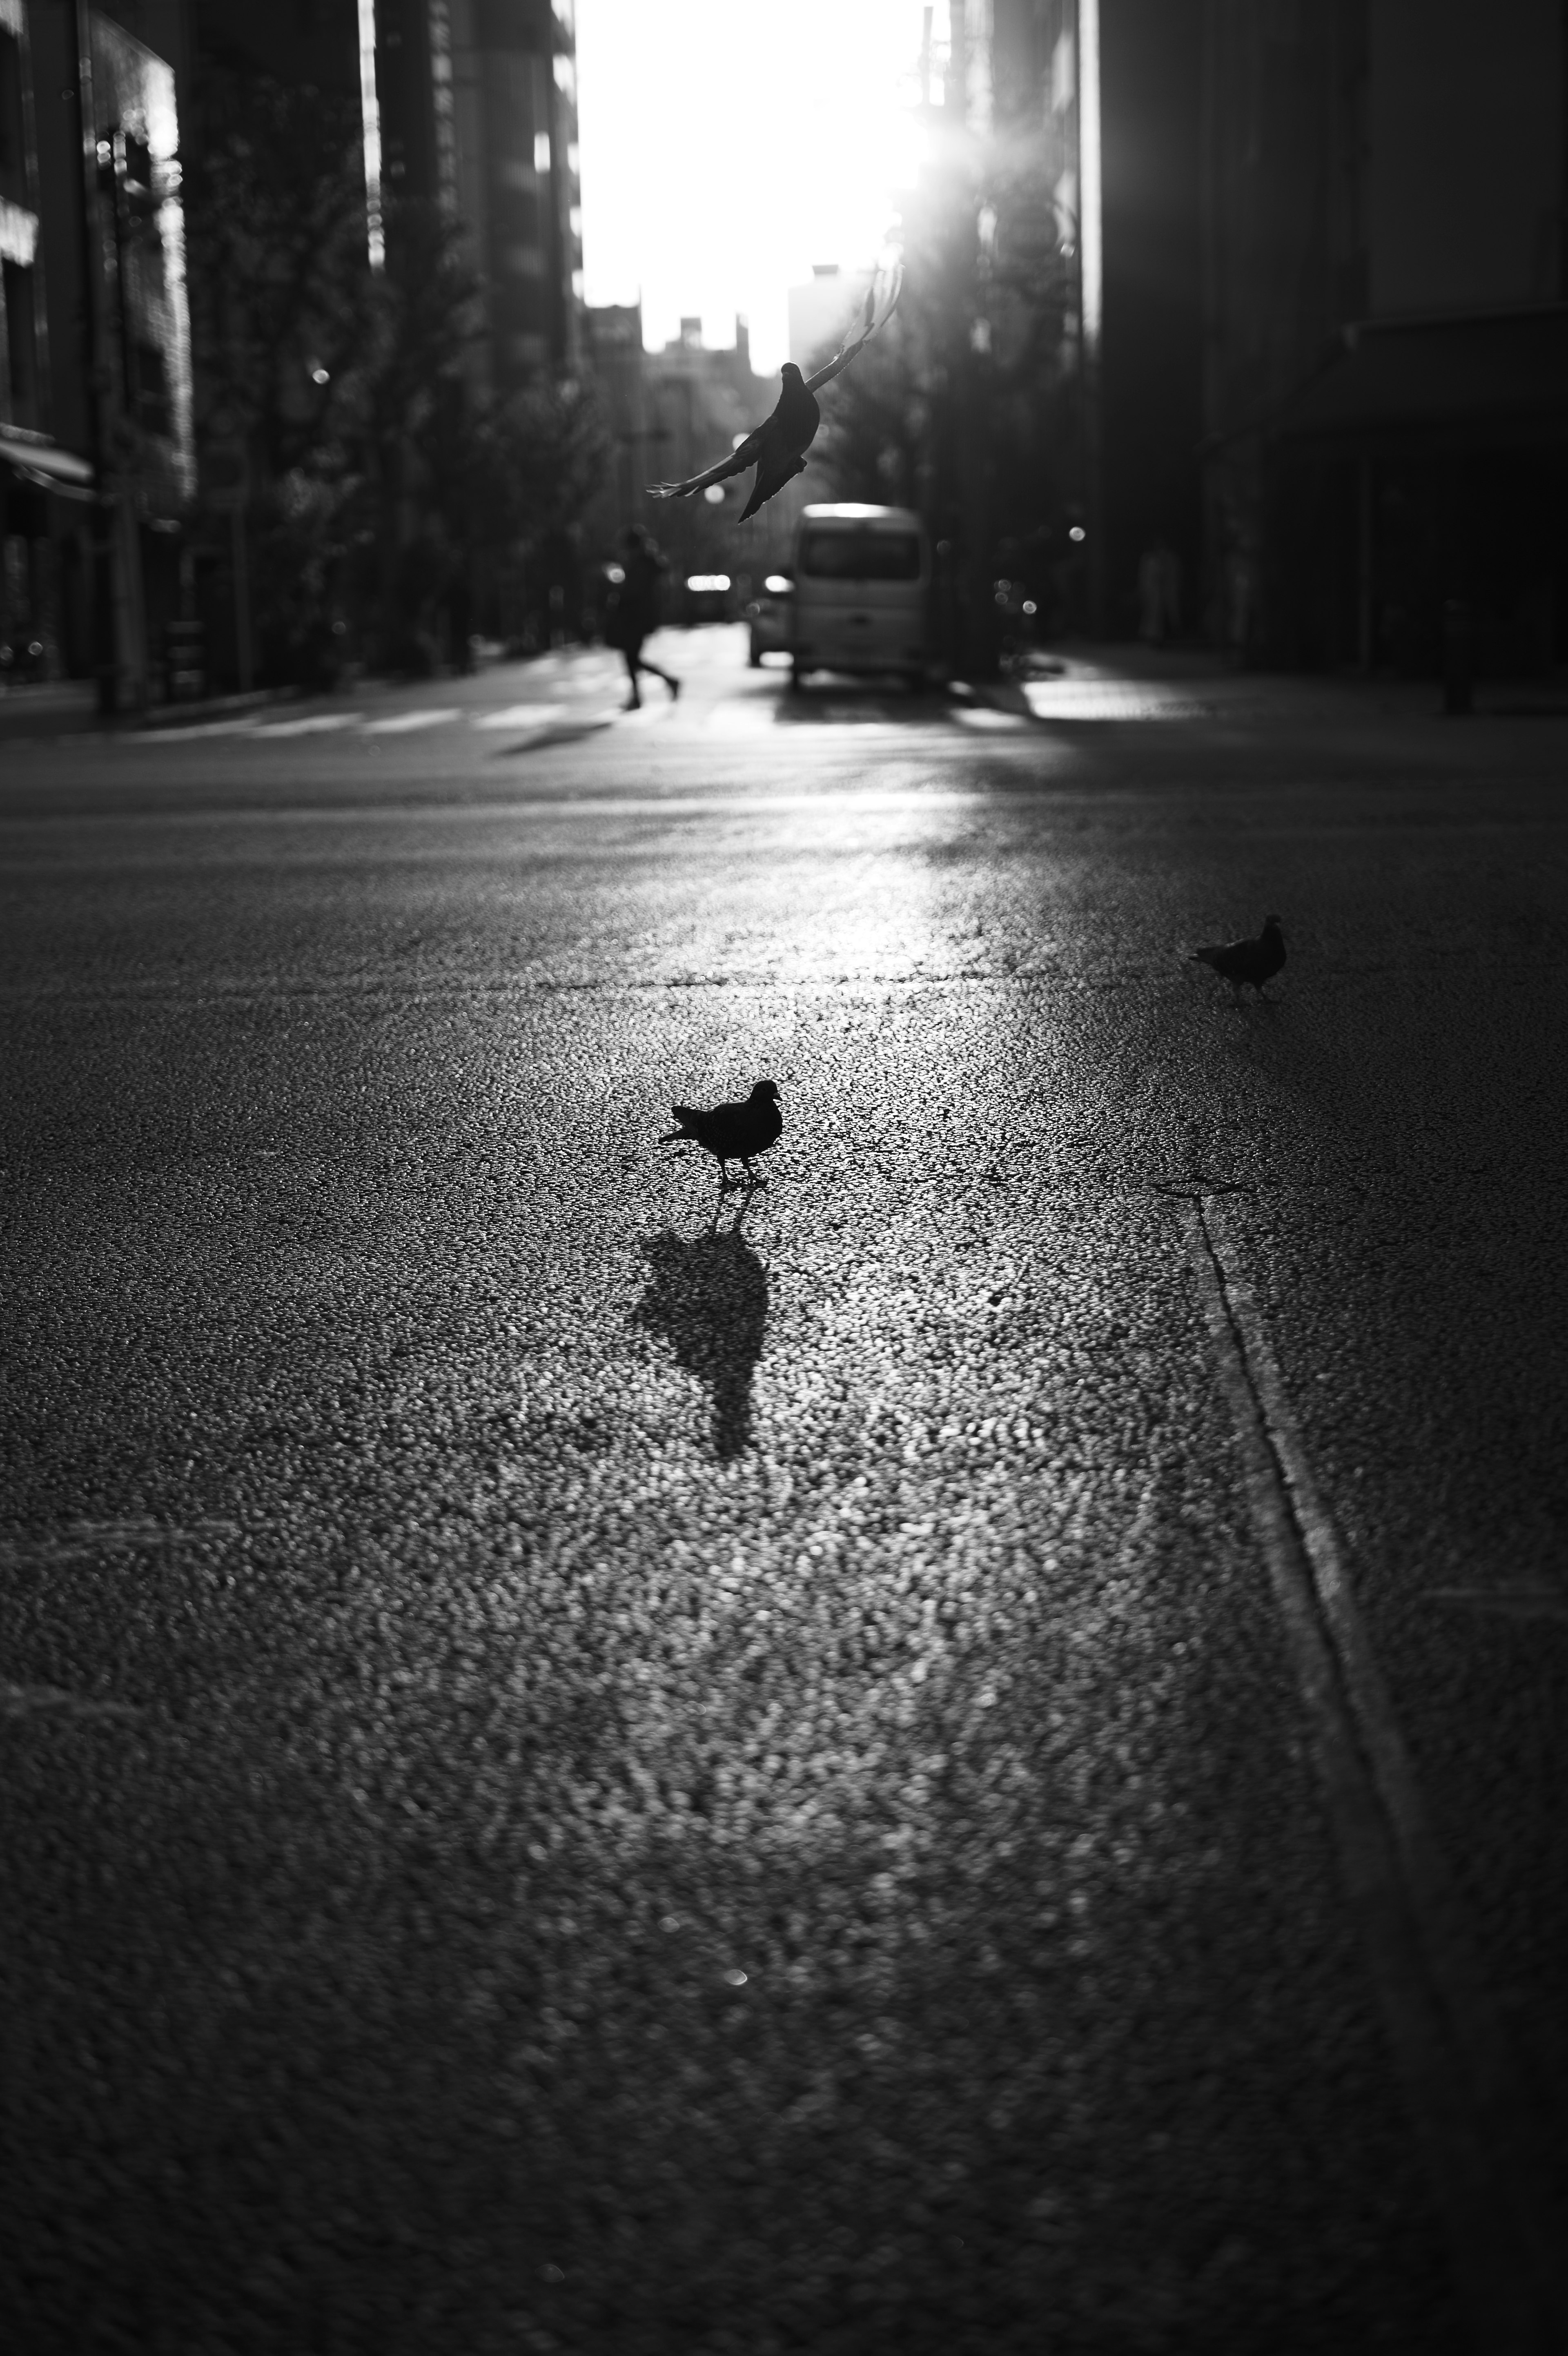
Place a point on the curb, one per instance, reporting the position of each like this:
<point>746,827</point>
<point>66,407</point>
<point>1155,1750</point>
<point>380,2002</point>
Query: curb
<point>211,707</point>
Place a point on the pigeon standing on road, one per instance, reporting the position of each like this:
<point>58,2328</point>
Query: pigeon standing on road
<point>1256,961</point>
<point>732,1132</point>
<point>778,447</point>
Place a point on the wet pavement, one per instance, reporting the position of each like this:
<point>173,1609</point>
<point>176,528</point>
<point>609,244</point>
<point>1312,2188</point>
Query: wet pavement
<point>957,1754</point>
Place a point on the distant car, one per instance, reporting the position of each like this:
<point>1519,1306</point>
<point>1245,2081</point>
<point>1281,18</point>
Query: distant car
<point>771,616</point>
<point>710,597</point>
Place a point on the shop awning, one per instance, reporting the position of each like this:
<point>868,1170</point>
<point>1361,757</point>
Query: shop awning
<point>44,467</point>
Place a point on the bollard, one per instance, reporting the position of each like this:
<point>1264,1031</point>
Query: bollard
<point>1458,666</point>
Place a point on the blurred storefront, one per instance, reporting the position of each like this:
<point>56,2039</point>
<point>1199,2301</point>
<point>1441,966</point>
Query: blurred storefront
<point>97,462</point>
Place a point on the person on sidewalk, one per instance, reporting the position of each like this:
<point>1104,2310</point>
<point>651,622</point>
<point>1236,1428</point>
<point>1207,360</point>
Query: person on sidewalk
<point>634,608</point>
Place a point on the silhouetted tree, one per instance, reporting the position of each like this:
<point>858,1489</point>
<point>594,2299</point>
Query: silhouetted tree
<point>379,484</point>
<point>966,406</point>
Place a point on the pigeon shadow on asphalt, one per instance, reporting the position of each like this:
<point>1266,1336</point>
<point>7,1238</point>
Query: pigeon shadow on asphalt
<point>707,1296</point>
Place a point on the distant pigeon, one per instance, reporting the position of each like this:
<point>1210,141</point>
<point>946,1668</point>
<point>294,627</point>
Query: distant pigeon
<point>1256,961</point>
<point>778,447</point>
<point>732,1132</point>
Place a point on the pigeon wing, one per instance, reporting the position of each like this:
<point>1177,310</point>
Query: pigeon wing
<point>746,455</point>
<point>869,326</point>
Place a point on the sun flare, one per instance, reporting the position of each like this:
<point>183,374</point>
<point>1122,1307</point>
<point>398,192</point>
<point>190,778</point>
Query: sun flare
<point>727,147</point>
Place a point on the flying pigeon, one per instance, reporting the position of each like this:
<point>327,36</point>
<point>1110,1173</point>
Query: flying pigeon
<point>732,1132</point>
<point>1256,961</point>
<point>778,447</point>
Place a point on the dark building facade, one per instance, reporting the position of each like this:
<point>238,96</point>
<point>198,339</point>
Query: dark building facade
<point>1149,389</point>
<point>1055,251</point>
<point>97,457</point>
<point>1385,332</point>
<point>477,104</point>
<point>114,542</point>
<point>1316,343</point>
<point>613,351</point>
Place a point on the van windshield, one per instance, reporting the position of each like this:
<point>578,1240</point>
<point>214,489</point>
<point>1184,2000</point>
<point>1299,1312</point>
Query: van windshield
<point>860,556</point>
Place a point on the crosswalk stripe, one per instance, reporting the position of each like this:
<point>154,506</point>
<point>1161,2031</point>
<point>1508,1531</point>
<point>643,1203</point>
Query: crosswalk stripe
<point>398,723</point>
<point>246,727</point>
<point>750,715</point>
<point>315,723</point>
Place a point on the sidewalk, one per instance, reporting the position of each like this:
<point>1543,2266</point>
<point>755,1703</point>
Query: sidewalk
<point>1133,681</point>
<point>69,707</point>
<point>58,707</point>
<point>1077,682</point>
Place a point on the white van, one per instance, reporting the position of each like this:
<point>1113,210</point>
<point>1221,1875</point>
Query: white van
<point>862,584</point>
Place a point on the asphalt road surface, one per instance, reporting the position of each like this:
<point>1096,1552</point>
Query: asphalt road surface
<point>960,1755</point>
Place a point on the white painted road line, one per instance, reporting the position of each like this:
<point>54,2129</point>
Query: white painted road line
<point>1465,2101</point>
<point>746,716</point>
<point>73,1541</point>
<point>398,723</point>
<point>1110,699</point>
<point>981,716</point>
<point>246,727</point>
<point>28,1701</point>
<point>315,723</point>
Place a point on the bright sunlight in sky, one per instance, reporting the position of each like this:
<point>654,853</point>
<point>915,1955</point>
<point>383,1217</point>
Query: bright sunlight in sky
<point>726,146</point>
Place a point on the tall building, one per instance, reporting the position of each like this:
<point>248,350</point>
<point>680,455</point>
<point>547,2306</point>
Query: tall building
<point>1094,106</point>
<point>97,456</point>
<point>477,111</point>
<point>986,416</point>
<point>1385,331</point>
<point>1150,363</point>
<point>613,349</point>
<point>469,106</point>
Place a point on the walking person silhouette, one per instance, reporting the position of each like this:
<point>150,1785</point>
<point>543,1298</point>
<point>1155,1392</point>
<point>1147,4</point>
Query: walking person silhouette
<point>634,608</point>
